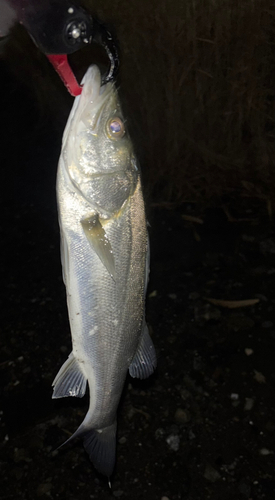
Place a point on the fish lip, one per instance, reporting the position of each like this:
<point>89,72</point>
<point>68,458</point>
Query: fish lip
<point>92,88</point>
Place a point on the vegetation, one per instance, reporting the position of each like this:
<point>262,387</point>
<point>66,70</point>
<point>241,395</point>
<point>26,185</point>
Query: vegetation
<point>198,84</point>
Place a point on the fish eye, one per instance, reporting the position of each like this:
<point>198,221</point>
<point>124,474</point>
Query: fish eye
<point>115,128</point>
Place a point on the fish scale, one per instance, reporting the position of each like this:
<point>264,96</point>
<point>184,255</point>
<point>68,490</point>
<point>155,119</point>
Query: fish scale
<point>104,252</point>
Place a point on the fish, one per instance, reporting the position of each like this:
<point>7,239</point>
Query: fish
<point>105,264</point>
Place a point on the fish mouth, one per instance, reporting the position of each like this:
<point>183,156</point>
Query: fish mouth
<point>93,97</point>
<point>87,106</point>
<point>93,91</point>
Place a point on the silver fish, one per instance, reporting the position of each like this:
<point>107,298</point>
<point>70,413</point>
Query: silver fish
<point>105,261</point>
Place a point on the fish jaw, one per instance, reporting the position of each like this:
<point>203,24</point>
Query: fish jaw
<point>90,95</point>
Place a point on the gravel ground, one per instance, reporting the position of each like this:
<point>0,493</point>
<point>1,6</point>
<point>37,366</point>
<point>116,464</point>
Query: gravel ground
<point>202,427</point>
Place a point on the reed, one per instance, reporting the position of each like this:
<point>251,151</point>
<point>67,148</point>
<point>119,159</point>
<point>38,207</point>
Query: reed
<point>197,82</point>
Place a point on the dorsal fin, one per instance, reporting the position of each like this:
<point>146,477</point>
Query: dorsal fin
<point>99,242</point>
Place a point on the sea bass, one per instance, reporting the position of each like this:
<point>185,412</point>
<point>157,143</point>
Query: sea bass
<point>105,262</point>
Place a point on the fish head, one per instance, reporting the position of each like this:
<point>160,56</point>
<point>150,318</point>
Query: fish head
<point>97,149</point>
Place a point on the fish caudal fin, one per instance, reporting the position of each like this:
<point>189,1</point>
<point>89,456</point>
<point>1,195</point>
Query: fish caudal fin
<point>145,359</point>
<point>70,381</point>
<point>100,445</point>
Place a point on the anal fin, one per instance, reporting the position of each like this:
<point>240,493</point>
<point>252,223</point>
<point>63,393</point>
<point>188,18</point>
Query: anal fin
<point>145,359</point>
<point>99,242</point>
<point>70,381</point>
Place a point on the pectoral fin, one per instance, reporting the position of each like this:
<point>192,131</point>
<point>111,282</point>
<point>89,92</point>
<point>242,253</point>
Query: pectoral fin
<point>70,381</point>
<point>99,242</point>
<point>145,359</point>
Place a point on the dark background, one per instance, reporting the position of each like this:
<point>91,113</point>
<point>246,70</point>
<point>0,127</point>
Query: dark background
<point>201,114</point>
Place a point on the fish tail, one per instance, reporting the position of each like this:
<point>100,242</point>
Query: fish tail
<point>100,445</point>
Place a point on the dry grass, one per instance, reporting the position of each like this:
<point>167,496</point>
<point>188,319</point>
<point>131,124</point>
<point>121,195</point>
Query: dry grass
<point>198,84</point>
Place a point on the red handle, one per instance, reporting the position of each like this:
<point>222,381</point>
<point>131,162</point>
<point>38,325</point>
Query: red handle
<point>61,65</point>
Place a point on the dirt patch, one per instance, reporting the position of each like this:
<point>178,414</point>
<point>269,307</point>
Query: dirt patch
<point>203,425</point>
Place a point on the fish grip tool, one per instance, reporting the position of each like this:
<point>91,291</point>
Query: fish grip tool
<point>62,28</point>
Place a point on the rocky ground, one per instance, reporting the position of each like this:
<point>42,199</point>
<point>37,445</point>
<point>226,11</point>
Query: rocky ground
<point>202,427</point>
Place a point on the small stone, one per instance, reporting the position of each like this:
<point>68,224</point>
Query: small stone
<point>270,426</point>
<point>267,324</point>
<point>153,294</point>
<point>259,377</point>
<point>267,246</point>
<point>237,322</point>
<point>182,416</point>
<point>244,489</point>
<point>265,451</point>
<point>18,473</point>
<point>234,396</point>
<point>256,271</point>
<point>210,313</point>
<point>131,412</point>
<point>171,339</point>
<point>185,394</point>
<point>122,440</point>
<point>164,498</point>
<point>20,455</point>
<point>173,429</point>
<point>43,489</point>
<point>248,351</point>
<point>197,363</point>
<point>191,435</point>
<point>173,442</point>
<point>172,296</point>
<point>159,433</point>
<point>118,493</point>
<point>261,297</point>
<point>211,474</point>
<point>249,403</point>
<point>248,237</point>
